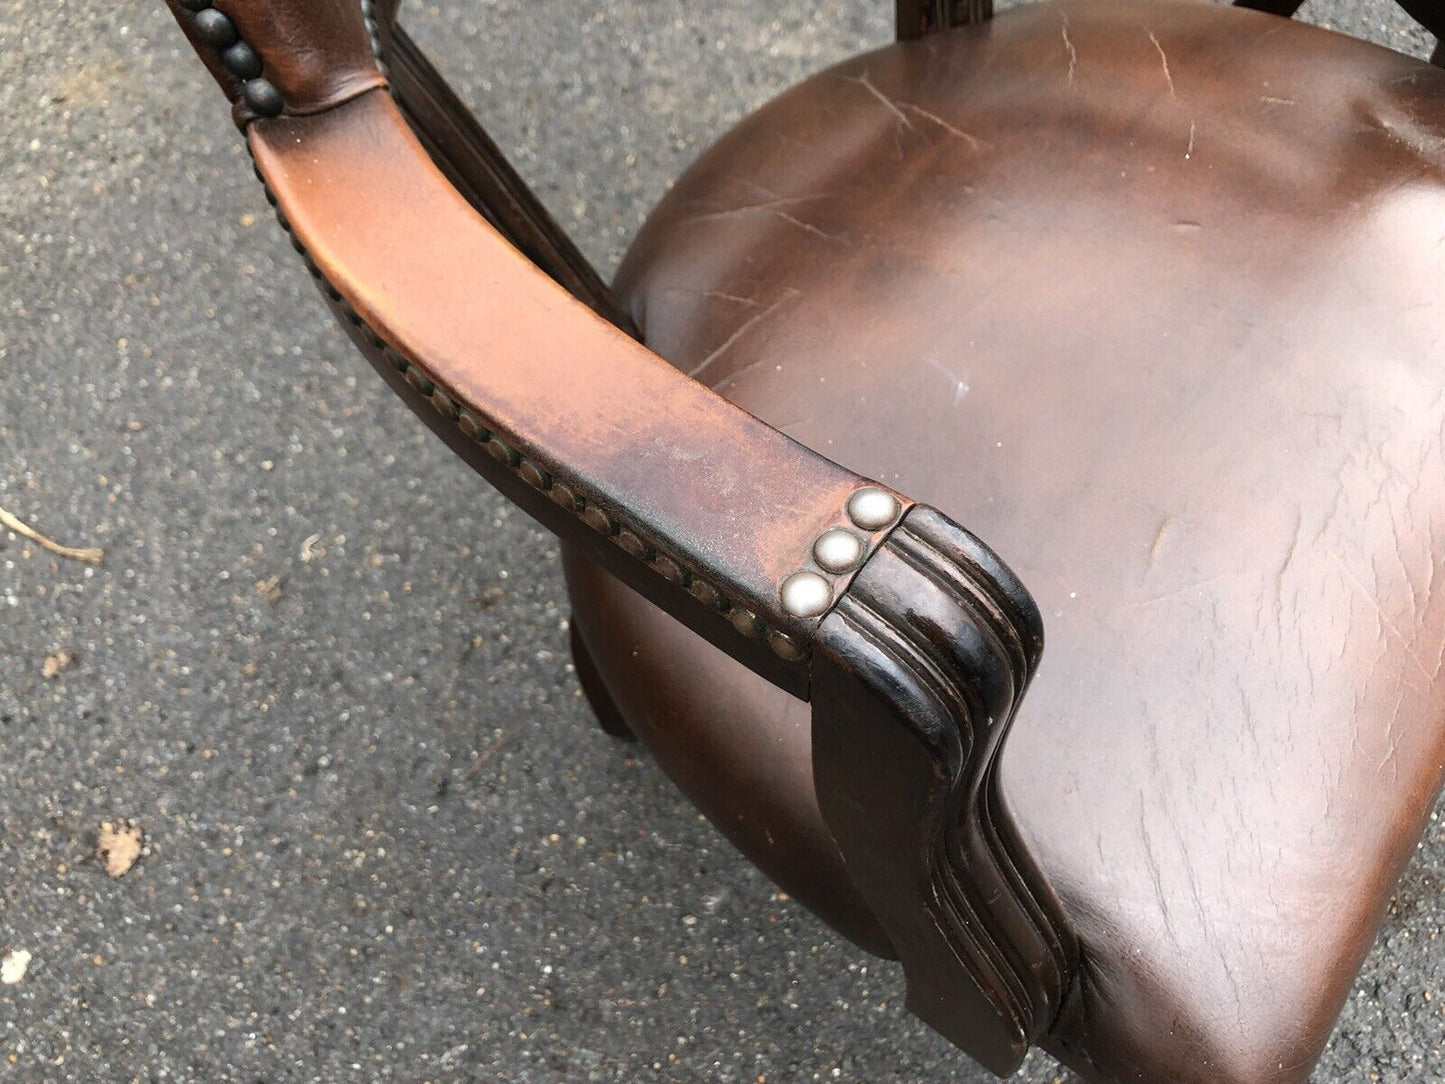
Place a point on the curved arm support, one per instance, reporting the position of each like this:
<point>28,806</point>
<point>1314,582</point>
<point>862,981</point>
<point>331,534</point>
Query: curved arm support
<point>913,641</point>
<point>692,501</point>
<point>920,669</point>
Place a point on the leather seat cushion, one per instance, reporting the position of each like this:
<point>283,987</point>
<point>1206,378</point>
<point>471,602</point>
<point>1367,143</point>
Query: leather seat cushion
<point>1151,297</point>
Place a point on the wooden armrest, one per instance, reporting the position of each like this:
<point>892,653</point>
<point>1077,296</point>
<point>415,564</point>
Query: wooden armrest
<point>913,641</point>
<point>919,671</point>
<point>692,501</point>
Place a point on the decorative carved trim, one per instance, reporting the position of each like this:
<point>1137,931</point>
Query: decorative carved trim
<point>918,672</point>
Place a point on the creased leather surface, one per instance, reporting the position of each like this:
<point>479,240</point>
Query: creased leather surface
<point>1152,298</point>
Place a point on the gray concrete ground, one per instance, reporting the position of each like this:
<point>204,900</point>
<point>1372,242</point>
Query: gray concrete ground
<point>383,839</point>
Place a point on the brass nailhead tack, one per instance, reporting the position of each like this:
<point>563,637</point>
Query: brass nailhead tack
<point>839,551</point>
<point>241,61</point>
<point>564,496</point>
<point>744,622</point>
<point>597,519</point>
<point>706,593</point>
<point>214,28</point>
<point>468,425</point>
<point>785,647</point>
<point>444,404</point>
<point>531,475</point>
<point>499,451</point>
<point>873,508</point>
<point>633,545</point>
<point>669,569</point>
<point>806,594</point>
<point>262,96</point>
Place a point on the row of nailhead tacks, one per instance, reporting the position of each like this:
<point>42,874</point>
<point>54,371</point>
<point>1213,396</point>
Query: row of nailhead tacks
<point>215,28</point>
<point>838,551</point>
<point>742,619</point>
<point>374,33</point>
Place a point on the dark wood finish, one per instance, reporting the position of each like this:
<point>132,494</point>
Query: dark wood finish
<point>920,670</point>
<point>609,718</point>
<point>919,18</point>
<point>385,13</point>
<point>742,758</point>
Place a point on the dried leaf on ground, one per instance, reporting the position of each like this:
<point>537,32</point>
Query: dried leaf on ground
<point>57,663</point>
<point>14,966</point>
<point>119,846</point>
<point>270,589</point>
<point>489,598</point>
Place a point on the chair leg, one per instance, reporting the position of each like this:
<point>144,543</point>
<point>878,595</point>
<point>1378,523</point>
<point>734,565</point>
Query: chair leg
<point>609,718</point>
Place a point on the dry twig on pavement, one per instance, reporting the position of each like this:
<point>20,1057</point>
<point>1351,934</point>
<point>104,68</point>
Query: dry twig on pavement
<point>90,555</point>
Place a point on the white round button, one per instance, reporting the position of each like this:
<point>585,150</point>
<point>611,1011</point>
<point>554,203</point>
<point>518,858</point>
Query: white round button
<point>838,550</point>
<point>872,509</point>
<point>806,594</point>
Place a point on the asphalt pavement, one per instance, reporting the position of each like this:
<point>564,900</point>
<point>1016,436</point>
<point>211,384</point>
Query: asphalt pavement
<point>323,669</point>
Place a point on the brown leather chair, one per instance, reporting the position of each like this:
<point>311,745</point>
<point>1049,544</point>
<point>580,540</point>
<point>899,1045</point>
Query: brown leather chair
<point>1151,296</point>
